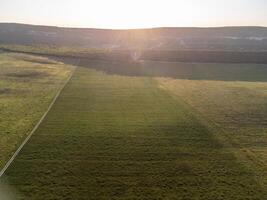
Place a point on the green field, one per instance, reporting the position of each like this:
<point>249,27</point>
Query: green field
<point>237,111</point>
<point>178,70</point>
<point>27,86</point>
<point>112,136</point>
<point>150,54</point>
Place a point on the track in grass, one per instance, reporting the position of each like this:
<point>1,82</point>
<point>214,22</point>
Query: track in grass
<point>117,137</point>
<point>27,86</point>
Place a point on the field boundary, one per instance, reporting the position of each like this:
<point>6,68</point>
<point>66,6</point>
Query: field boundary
<point>39,122</point>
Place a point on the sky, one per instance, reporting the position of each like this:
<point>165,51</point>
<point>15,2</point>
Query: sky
<point>124,14</point>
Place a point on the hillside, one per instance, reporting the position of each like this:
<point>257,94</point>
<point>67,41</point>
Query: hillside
<point>224,38</point>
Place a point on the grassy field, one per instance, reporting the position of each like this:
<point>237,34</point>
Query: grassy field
<point>27,86</point>
<point>236,110</point>
<point>124,137</point>
<point>177,70</point>
<point>126,54</point>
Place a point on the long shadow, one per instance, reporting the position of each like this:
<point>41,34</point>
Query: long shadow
<point>176,70</point>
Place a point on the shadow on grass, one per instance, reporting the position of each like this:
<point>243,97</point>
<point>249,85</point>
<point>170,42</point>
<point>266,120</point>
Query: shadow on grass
<point>176,70</point>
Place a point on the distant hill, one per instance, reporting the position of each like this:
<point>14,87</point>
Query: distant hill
<point>224,38</point>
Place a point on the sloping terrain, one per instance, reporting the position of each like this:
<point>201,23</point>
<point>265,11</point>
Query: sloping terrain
<point>224,38</point>
<point>27,86</point>
<point>236,110</point>
<point>123,137</point>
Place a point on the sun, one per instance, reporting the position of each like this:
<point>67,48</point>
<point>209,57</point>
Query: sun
<point>120,14</point>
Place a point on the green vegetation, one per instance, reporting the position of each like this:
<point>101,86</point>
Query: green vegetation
<point>236,110</point>
<point>192,71</point>
<point>90,53</point>
<point>124,137</point>
<point>27,86</point>
<point>45,49</point>
<point>131,54</point>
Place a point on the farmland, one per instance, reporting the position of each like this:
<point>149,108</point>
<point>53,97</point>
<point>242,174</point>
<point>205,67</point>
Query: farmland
<point>236,110</point>
<point>124,55</point>
<point>27,86</point>
<point>118,133</point>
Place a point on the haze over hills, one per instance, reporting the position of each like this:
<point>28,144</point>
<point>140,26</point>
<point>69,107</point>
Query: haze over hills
<point>222,38</point>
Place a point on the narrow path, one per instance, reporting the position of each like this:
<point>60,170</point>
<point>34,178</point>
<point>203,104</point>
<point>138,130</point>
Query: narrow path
<point>40,121</point>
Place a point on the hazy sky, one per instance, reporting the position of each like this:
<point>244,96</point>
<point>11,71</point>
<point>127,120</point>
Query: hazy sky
<point>135,13</point>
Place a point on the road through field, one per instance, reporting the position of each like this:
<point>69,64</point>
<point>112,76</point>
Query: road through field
<point>120,137</point>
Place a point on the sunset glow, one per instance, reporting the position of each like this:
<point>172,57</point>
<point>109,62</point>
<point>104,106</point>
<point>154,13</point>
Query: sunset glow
<point>135,14</point>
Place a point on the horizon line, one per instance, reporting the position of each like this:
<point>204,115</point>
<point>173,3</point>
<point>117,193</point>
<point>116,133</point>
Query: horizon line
<point>145,28</point>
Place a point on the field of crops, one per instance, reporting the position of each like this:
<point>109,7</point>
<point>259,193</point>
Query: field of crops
<point>178,70</point>
<point>122,55</point>
<point>27,86</point>
<point>236,110</point>
<point>122,136</point>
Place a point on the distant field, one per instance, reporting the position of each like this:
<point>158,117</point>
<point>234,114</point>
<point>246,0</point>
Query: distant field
<point>113,136</point>
<point>178,70</point>
<point>129,54</point>
<point>27,86</point>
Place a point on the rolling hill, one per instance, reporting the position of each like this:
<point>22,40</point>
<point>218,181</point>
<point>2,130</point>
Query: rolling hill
<point>223,38</point>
